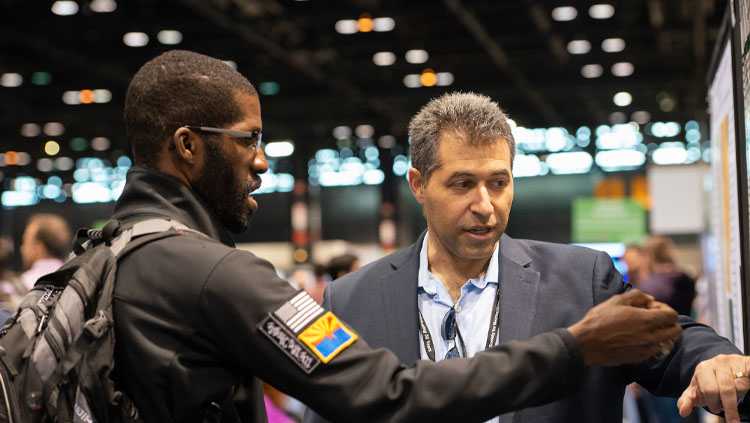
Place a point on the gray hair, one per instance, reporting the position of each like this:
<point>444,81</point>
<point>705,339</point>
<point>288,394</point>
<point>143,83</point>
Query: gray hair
<point>474,117</point>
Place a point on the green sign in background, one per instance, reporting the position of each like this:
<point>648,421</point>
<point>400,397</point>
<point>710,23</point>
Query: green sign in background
<point>608,220</point>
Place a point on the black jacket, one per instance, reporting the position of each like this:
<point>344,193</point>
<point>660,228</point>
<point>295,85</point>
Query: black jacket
<point>187,310</point>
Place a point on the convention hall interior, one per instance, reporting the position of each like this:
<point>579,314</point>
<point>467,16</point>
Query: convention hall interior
<point>627,115</point>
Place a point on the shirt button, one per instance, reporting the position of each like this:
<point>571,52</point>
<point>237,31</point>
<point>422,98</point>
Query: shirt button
<point>458,309</point>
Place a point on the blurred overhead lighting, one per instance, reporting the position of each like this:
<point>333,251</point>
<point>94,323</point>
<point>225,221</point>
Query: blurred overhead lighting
<point>383,24</point>
<point>592,71</point>
<point>269,88</point>
<point>417,56</point>
<point>384,58</point>
<point>622,99</point>
<point>570,163</point>
<point>615,160</point>
<point>11,79</point>
<point>564,13</point>
<point>641,116</point>
<point>364,23</point>
<point>413,80</point>
<point>428,78</point>
<point>30,130</point>
<point>444,79</point>
<point>86,96</point>
<point>64,8</point>
<point>100,143</point>
<point>670,153</point>
<point>41,78</point>
<point>70,97</point>
<point>135,39</point>
<point>623,69</point>
<point>347,26</point>
<point>103,6</point>
<point>613,45</point>
<point>279,149</point>
<point>602,11</point>
<point>102,96</point>
<point>342,132</point>
<point>617,118</point>
<point>54,129</point>
<point>579,47</point>
<point>387,141</point>
<point>51,148</point>
<point>364,131</point>
<point>169,37</point>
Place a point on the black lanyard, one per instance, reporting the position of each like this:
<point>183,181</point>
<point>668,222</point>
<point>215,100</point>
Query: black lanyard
<point>429,347</point>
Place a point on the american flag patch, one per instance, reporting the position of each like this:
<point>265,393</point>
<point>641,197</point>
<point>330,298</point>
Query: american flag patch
<point>298,312</point>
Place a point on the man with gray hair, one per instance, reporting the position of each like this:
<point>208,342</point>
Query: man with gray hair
<point>464,286</point>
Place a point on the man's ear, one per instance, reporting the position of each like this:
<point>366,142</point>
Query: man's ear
<point>416,185</point>
<point>185,144</point>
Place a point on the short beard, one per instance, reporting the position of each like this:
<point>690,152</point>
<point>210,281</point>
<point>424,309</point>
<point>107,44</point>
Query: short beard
<point>223,193</point>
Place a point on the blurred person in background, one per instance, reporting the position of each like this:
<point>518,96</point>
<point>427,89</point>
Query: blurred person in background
<point>666,282</point>
<point>342,264</point>
<point>45,244</point>
<point>318,287</point>
<point>464,285</point>
<point>636,260</point>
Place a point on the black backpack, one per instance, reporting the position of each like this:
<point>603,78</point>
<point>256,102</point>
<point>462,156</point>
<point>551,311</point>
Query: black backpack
<point>57,350</point>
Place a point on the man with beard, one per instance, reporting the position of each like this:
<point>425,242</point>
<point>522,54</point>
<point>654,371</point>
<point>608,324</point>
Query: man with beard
<point>195,317</point>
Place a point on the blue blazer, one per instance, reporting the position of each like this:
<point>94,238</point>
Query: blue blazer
<point>543,286</point>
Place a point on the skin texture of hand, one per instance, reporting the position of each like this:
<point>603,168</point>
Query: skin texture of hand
<point>626,329</point>
<point>714,386</point>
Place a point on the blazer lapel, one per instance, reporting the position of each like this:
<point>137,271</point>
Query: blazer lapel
<point>399,296</point>
<point>518,285</point>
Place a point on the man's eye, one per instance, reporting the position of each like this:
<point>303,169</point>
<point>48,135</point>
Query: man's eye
<point>461,184</point>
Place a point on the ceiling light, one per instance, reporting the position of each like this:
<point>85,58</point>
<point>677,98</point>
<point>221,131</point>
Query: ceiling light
<point>30,130</point>
<point>86,96</point>
<point>45,165</point>
<point>428,78</point>
<point>64,8</point>
<point>269,88</point>
<point>592,71</point>
<point>11,79</point>
<point>342,132</point>
<point>384,58</point>
<point>51,148</point>
<point>103,6</point>
<point>617,118</point>
<point>413,80</point>
<point>54,129</point>
<point>417,56</point>
<point>383,24</point>
<point>100,143</point>
<point>387,141</point>
<point>564,13</point>
<point>347,26</point>
<point>135,39</point>
<point>570,163</point>
<point>623,69</point>
<point>602,11</point>
<point>641,116</point>
<point>444,79</point>
<point>622,98</point>
<point>613,45</point>
<point>71,97</point>
<point>364,23</point>
<point>279,148</point>
<point>102,96</point>
<point>41,78</point>
<point>169,37</point>
<point>364,131</point>
<point>624,159</point>
<point>579,47</point>
<point>666,104</point>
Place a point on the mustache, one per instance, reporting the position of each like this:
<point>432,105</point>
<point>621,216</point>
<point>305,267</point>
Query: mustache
<point>252,185</point>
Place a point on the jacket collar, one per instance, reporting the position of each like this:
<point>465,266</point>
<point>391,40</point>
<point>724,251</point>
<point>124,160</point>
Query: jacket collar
<point>149,193</point>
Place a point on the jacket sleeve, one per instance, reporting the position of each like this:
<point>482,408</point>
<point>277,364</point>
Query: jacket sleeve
<point>362,384</point>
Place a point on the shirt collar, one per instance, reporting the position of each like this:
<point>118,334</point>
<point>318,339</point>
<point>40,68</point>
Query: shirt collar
<point>428,282</point>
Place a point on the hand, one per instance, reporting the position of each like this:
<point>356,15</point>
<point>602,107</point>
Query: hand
<point>626,329</point>
<point>715,385</point>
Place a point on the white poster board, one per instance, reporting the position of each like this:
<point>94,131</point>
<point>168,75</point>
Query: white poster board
<point>724,204</point>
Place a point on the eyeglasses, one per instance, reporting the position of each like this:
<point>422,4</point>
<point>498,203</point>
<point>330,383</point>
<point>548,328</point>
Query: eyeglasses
<point>448,330</point>
<point>251,138</point>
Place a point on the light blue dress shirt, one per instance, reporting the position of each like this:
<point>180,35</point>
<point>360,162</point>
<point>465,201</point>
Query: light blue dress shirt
<point>473,308</point>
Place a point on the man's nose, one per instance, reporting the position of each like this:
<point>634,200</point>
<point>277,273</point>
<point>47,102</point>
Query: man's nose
<point>260,164</point>
<point>482,202</point>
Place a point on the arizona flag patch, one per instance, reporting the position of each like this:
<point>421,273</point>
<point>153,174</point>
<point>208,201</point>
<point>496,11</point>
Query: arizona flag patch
<point>327,337</point>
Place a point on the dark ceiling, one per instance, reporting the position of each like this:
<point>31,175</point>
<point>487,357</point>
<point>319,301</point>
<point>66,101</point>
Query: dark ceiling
<point>512,51</point>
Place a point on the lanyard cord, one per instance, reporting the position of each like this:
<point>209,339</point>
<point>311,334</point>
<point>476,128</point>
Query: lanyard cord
<point>429,346</point>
